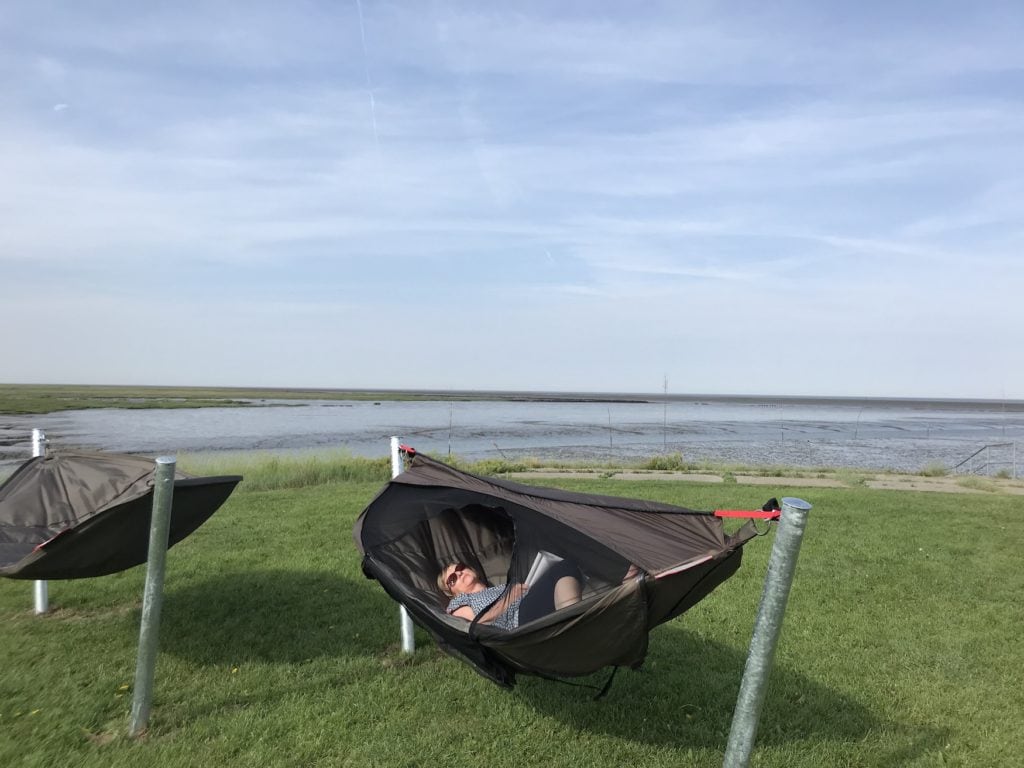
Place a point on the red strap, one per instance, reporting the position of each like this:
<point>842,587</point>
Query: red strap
<point>748,513</point>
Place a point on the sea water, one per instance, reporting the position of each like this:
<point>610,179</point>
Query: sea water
<point>897,435</point>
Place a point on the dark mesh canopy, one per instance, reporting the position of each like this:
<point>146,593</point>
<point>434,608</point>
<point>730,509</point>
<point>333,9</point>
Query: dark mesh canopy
<point>639,563</point>
<point>73,515</point>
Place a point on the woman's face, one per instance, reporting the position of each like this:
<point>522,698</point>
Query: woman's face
<point>458,577</point>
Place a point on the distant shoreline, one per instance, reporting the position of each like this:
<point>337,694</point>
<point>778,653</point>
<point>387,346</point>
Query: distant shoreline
<point>21,399</point>
<point>639,397</point>
<point>890,434</point>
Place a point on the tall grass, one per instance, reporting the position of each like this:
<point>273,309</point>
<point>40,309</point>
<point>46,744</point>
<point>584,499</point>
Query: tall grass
<point>263,473</point>
<point>935,469</point>
<point>669,462</point>
<point>275,472</point>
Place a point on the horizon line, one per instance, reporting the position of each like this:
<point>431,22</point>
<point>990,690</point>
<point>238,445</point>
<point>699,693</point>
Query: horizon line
<point>588,395</point>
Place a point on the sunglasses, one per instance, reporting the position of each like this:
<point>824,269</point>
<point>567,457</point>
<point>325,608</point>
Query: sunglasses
<point>454,575</point>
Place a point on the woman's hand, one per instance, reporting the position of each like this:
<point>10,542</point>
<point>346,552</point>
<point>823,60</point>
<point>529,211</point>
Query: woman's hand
<point>512,593</point>
<point>515,592</point>
<point>464,612</point>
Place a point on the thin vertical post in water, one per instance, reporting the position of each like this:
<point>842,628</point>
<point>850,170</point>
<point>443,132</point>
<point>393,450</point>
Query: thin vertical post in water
<point>664,419</point>
<point>40,589</point>
<point>772,610</point>
<point>153,595</point>
<point>451,420</point>
<point>408,637</point>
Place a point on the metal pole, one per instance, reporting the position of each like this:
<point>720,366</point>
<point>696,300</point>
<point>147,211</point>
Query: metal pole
<point>41,589</point>
<point>38,443</point>
<point>408,638</point>
<point>153,595</point>
<point>779,579</point>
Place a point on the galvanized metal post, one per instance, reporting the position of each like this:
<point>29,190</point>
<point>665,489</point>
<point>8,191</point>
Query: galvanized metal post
<point>153,595</point>
<point>779,579</point>
<point>408,636</point>
<point>41,589</point>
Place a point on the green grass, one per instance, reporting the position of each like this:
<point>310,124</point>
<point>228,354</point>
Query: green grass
<point>50,398</point>
<point>848,476</point>
<point>23,399</point>
<point>264,473</point>
<point>899,649</point>
<point>976,483</point>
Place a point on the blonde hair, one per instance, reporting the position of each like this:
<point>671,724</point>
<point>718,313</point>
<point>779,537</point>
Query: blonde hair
<point>441,584</point>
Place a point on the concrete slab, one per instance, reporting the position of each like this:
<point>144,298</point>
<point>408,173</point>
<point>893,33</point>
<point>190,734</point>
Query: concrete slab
<point>802,482</point>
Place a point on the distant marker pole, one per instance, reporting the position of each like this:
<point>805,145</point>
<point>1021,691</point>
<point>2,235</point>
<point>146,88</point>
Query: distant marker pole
<point>153,595</point>
<point>781,566</point>
<point>41,589</point>
<point>408,637</point>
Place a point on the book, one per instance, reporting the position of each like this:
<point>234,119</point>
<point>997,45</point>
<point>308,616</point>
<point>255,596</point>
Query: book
<point>541,563</point>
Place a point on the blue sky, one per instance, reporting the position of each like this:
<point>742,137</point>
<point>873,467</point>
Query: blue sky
<point>779,198</point>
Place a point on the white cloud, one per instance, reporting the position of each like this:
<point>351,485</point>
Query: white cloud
<point>598,191</point>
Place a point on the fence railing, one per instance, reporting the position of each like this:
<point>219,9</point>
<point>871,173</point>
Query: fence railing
<point>992,459</point>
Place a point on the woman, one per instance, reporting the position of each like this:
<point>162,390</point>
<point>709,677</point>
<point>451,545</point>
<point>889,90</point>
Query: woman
<point>509,606</point>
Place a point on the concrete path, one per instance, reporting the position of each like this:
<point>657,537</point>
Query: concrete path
<point>951,484</point>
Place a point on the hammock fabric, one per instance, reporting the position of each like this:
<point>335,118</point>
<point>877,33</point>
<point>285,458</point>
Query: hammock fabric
<point>73,515</point>
<point>433,515</point>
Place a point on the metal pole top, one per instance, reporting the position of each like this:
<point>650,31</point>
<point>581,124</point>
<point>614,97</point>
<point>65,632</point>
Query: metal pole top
<point>39,442</point>
<point>166,459</point>
<point>795,503</point>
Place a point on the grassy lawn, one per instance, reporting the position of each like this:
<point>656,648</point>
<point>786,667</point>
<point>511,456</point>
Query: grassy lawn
<point>900,647</point>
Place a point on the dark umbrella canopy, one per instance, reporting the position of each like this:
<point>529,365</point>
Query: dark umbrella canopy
<point>73,515</point>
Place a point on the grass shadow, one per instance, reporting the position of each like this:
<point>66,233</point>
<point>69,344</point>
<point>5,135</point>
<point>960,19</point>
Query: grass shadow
<point>685,694</point>
<point>277,616</point>
<point>682,698</point>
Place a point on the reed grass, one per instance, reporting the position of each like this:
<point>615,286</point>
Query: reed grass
<point>672,462</point>
<point>272,472</point>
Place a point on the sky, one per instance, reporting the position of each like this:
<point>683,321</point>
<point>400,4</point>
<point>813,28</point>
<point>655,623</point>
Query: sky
<point>796,198</point>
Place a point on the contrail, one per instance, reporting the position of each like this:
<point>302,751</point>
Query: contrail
<point>366,69</point>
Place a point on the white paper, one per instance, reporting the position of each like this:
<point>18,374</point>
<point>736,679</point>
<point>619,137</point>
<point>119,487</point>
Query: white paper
<point>541,563</point>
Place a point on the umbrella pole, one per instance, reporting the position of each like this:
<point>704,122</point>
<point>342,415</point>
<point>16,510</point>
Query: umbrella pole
<point>41,589</point>
<point>781,565</point>
<point>408,638</point>
<point>153,595</point>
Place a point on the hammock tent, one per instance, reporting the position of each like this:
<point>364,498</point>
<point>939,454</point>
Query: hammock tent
<point>74,515</point>
<point>432,515</point>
